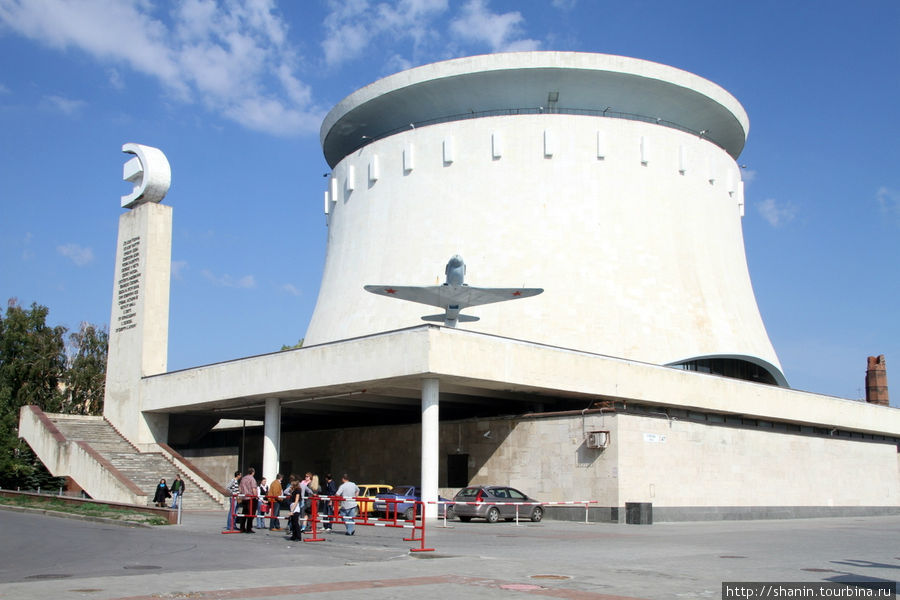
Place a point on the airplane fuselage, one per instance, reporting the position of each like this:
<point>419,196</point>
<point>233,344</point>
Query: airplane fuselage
<point>455,270</point>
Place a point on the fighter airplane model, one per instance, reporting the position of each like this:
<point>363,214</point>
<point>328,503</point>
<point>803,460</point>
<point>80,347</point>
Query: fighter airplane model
<point>453,296</point>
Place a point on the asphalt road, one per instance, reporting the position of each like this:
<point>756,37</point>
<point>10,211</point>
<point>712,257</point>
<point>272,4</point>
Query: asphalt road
<point>62,558</point>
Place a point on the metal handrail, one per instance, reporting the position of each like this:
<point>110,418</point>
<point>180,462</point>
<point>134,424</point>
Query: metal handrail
<point>592,112</point>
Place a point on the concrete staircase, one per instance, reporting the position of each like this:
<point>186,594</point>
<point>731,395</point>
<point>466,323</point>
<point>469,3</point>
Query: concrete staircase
<point>144,469</point>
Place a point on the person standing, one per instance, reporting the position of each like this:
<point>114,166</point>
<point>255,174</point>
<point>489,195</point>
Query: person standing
<point>349,491</point>
<point>162,493</point>
<point>275,494</point>
<point>293,482</point>
<point>316,490</point>
<point>307,502</point>
<point>263,491</point>
<point>249,489</point>
<point>177,490</point>
<point>233,488</point>
<point>296,495</point>
<point>329,489</point>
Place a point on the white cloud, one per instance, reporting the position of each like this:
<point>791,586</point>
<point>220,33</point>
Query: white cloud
<point>748,176</point>
<point>231,57</point>
<point>564,4</point>
<point>107,29</point>
<point>889,200</point>
<point>291,289</point>
<point>67,106</point>
<point>77,254</point>
<point>397,63</point>
<point>412,18</point>
<point>346,33</point>
<point>776,214</point>
<point>498,31</point>
<point>226,280</point>
<point>352,25</point>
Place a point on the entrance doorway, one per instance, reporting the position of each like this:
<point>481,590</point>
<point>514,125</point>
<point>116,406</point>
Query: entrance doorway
<point>457,470</point>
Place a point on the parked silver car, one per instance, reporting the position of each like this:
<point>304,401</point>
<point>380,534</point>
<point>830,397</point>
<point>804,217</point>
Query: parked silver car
<point>495,502</point>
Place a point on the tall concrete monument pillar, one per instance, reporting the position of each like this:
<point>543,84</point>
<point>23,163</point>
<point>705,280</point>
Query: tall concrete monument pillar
<point>139,321</point>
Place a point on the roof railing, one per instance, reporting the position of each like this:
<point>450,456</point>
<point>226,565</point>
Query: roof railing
<point>367,139</point>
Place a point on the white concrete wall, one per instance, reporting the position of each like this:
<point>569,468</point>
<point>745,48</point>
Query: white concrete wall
<point>640,251</point>
<point>679,463</point>
<point>548,459</point>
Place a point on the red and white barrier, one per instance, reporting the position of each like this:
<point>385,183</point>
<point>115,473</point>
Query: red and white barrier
<point>235,501</point>
<point>417,524</point>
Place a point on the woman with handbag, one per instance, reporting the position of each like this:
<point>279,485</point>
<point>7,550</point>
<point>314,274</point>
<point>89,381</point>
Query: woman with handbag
<point>263,503</point>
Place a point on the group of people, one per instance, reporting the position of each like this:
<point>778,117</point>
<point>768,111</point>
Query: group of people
<point>262,500</point>
<point>164,492</point>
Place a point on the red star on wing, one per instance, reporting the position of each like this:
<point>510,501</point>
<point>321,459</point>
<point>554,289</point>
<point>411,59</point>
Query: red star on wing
<point>391,291</point>
<point>517,293</point>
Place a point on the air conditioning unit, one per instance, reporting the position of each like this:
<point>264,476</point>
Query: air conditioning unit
<point>597,439</point>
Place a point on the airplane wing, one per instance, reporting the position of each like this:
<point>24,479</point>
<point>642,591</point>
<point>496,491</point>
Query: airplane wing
<point>476,296</point>
<point>459,296</point>
<point>428,294</point>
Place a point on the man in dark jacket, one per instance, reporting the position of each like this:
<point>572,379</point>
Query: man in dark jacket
<point>329,489</point>
<point>177,490</point>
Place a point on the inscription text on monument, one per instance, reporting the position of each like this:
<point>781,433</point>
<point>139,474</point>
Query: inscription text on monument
<point>129,284</point>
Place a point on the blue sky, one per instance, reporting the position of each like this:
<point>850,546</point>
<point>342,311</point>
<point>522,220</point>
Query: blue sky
<point>234,93</point>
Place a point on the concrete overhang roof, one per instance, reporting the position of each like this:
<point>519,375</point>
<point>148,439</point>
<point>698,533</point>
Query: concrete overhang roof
<point>384,372</point>
<point>586,83</point>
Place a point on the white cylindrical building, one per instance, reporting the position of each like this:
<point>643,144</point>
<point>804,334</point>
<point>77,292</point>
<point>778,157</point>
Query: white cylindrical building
<point>610,182</point>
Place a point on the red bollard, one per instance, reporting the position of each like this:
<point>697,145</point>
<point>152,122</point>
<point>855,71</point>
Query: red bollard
<point>314,517</point>
<point>418,510</point>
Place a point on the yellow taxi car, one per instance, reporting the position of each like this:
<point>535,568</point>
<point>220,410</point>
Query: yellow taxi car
<point>369,490</point>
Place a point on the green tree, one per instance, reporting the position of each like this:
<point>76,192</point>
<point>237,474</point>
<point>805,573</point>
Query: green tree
<point>85,379</point>
<point>32,368</point>
<point>37,367</point>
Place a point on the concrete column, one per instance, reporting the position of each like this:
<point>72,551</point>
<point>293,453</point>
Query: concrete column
<point>139,321</point>
<point>430,445</point>
<point>271,438</point>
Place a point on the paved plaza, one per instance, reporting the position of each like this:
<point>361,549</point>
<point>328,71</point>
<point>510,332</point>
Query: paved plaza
<point>60,558</point>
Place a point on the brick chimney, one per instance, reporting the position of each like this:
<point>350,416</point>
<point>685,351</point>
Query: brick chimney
<point>876,381</point>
